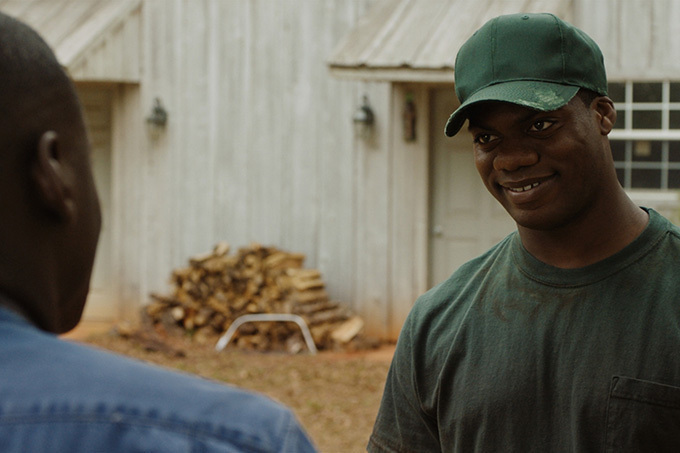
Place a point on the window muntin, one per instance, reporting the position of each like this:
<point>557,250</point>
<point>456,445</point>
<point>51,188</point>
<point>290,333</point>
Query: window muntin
<point>646,137</point>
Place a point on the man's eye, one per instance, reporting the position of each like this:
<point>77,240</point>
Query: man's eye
<point>483,139</point>
<point>541,125</point>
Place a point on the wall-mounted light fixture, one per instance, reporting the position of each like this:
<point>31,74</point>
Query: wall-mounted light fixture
<point>157,119</point>
<point>363,119</point>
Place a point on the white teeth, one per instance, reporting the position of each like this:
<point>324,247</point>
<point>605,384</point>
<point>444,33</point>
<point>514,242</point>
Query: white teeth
<point>522,189</point>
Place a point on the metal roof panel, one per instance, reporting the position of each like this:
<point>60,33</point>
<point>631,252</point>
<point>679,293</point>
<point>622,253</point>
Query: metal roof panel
<point>71,27</point>
<point>422,35</point>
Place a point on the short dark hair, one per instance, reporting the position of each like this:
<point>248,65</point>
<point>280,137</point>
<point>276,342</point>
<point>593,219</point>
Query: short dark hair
<point>32,81</point>
<point>26,61</point>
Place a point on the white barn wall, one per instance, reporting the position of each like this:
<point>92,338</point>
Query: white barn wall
<point>409,203</point>
<point>127,193</point>
<point>372,219</point>
<point>259,147</point>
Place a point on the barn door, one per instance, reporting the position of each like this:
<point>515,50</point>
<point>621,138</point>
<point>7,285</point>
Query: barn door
<point>465,220</point>
<point>96,101</point>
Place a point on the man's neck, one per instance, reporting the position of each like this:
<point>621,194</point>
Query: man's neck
<point>586,243</point>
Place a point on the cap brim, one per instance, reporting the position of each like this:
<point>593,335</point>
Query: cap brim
<point>544,96</point>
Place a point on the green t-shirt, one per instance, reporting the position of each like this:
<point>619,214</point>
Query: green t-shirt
<point>510,354</point>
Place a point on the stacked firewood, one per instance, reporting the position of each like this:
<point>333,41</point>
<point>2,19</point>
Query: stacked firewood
<point>216,288</point>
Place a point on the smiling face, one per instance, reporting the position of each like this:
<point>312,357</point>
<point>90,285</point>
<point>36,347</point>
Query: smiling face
<point>547,169</point>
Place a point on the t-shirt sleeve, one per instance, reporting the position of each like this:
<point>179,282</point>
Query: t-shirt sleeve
<point>402,424</point>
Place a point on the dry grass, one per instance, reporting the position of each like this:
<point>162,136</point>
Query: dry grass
<point>335,395</point>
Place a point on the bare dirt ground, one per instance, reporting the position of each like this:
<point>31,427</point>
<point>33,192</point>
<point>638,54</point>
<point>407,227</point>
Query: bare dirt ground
<point>335,395</point>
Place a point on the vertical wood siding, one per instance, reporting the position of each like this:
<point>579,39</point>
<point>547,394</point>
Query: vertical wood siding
<point>408,192</point>
<point>259,146</point>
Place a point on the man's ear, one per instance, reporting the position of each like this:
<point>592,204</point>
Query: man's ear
<point>606,114</point>
<point>51,180</point>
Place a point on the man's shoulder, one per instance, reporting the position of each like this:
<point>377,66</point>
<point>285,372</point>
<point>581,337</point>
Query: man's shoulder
<point>46,375</point>
<point>62,367</point>
<point>445,306</point>
<point>664,234</point>
<point>469,274</point>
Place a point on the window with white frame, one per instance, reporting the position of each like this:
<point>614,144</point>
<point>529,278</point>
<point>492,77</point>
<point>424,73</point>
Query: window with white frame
<point>646,137</point>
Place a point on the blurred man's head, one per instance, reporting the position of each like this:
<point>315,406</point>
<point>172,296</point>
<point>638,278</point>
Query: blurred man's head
<point>48,202</point>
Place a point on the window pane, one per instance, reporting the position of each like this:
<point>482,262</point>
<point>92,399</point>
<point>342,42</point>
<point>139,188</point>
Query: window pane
<point>618,150</point>
<point>673,151</point>
<point>647,119</point>
<point>646,92</point>
<point>617,91</point>
<point>674,179</point>
<point>646,179</point>
<point>620,173</point>
<point>620,119</point>
<point>674,119</point>
<point>646,151</point>
<point>675,92</point>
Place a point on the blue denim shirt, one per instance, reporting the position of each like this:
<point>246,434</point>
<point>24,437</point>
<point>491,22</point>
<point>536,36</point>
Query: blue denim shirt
<point>59,396</point>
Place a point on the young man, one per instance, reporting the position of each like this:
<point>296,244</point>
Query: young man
<point>565,335</point>
<point>61,397</point>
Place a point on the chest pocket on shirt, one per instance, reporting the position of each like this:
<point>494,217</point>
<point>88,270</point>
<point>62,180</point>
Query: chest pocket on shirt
<point>642,416</point>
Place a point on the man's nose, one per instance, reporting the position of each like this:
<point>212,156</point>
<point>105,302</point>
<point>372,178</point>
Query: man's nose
<point>511,156</point>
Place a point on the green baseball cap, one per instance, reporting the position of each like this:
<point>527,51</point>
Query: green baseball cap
<point>534,60</point>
